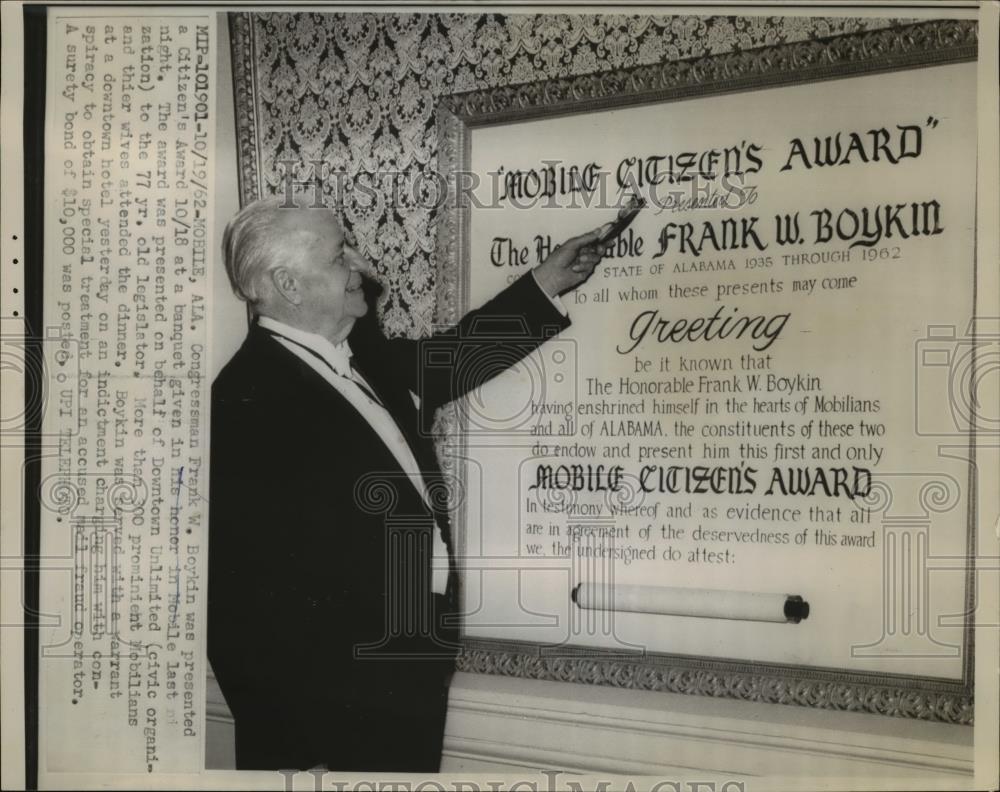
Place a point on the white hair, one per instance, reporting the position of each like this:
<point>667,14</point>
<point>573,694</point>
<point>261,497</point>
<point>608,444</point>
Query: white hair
<point>247,245</point>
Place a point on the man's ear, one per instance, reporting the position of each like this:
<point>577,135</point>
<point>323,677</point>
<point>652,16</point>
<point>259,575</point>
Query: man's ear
<point>286,284</point>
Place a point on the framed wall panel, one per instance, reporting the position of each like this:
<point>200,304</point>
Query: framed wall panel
<point>768,322</point>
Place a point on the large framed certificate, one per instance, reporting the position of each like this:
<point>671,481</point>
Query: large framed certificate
<point>748,467</point>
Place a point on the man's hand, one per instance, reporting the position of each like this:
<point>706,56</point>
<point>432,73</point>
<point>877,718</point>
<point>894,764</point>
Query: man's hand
<point>570,264</point>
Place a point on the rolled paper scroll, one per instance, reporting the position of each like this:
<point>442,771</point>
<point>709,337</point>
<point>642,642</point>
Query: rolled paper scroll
<point>700,603</point>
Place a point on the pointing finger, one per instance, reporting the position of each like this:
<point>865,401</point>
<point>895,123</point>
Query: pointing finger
<point>584,239</point>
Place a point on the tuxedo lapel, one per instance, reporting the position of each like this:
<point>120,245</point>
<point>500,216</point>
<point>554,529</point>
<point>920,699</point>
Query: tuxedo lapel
<point>399,403</point>
<point>302,381</point>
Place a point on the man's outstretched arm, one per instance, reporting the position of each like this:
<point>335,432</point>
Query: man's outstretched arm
<point>494,337</point>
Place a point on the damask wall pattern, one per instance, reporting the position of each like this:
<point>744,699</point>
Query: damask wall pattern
<point>358,92</point>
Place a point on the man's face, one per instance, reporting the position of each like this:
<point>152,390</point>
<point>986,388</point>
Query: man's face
<point>329,273</point>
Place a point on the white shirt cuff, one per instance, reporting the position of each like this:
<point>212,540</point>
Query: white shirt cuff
<point>556,302</point>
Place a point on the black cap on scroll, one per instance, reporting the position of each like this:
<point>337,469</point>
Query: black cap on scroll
<point>796,609</point>
<point>575,592</point>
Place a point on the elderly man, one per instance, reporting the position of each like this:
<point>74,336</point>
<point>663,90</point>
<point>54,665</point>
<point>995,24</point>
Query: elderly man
<point>330,560</point>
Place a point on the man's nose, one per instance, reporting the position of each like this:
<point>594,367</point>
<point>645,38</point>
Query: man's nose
<point>357,262</point>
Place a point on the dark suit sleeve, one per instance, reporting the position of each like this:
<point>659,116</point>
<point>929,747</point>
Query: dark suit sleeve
<point>485,342</point>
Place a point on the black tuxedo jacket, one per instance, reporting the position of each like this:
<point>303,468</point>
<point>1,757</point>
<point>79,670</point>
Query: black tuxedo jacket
<point>320,546</point>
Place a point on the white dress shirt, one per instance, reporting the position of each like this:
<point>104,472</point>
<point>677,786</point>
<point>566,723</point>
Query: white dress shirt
<point>351,385</point>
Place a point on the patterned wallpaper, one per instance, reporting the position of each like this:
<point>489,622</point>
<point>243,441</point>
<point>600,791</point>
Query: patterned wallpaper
<point>359,91</point>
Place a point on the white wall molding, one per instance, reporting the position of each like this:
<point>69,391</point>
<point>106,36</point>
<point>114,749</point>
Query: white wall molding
<point>507,725</point>
<point>501,723</point>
